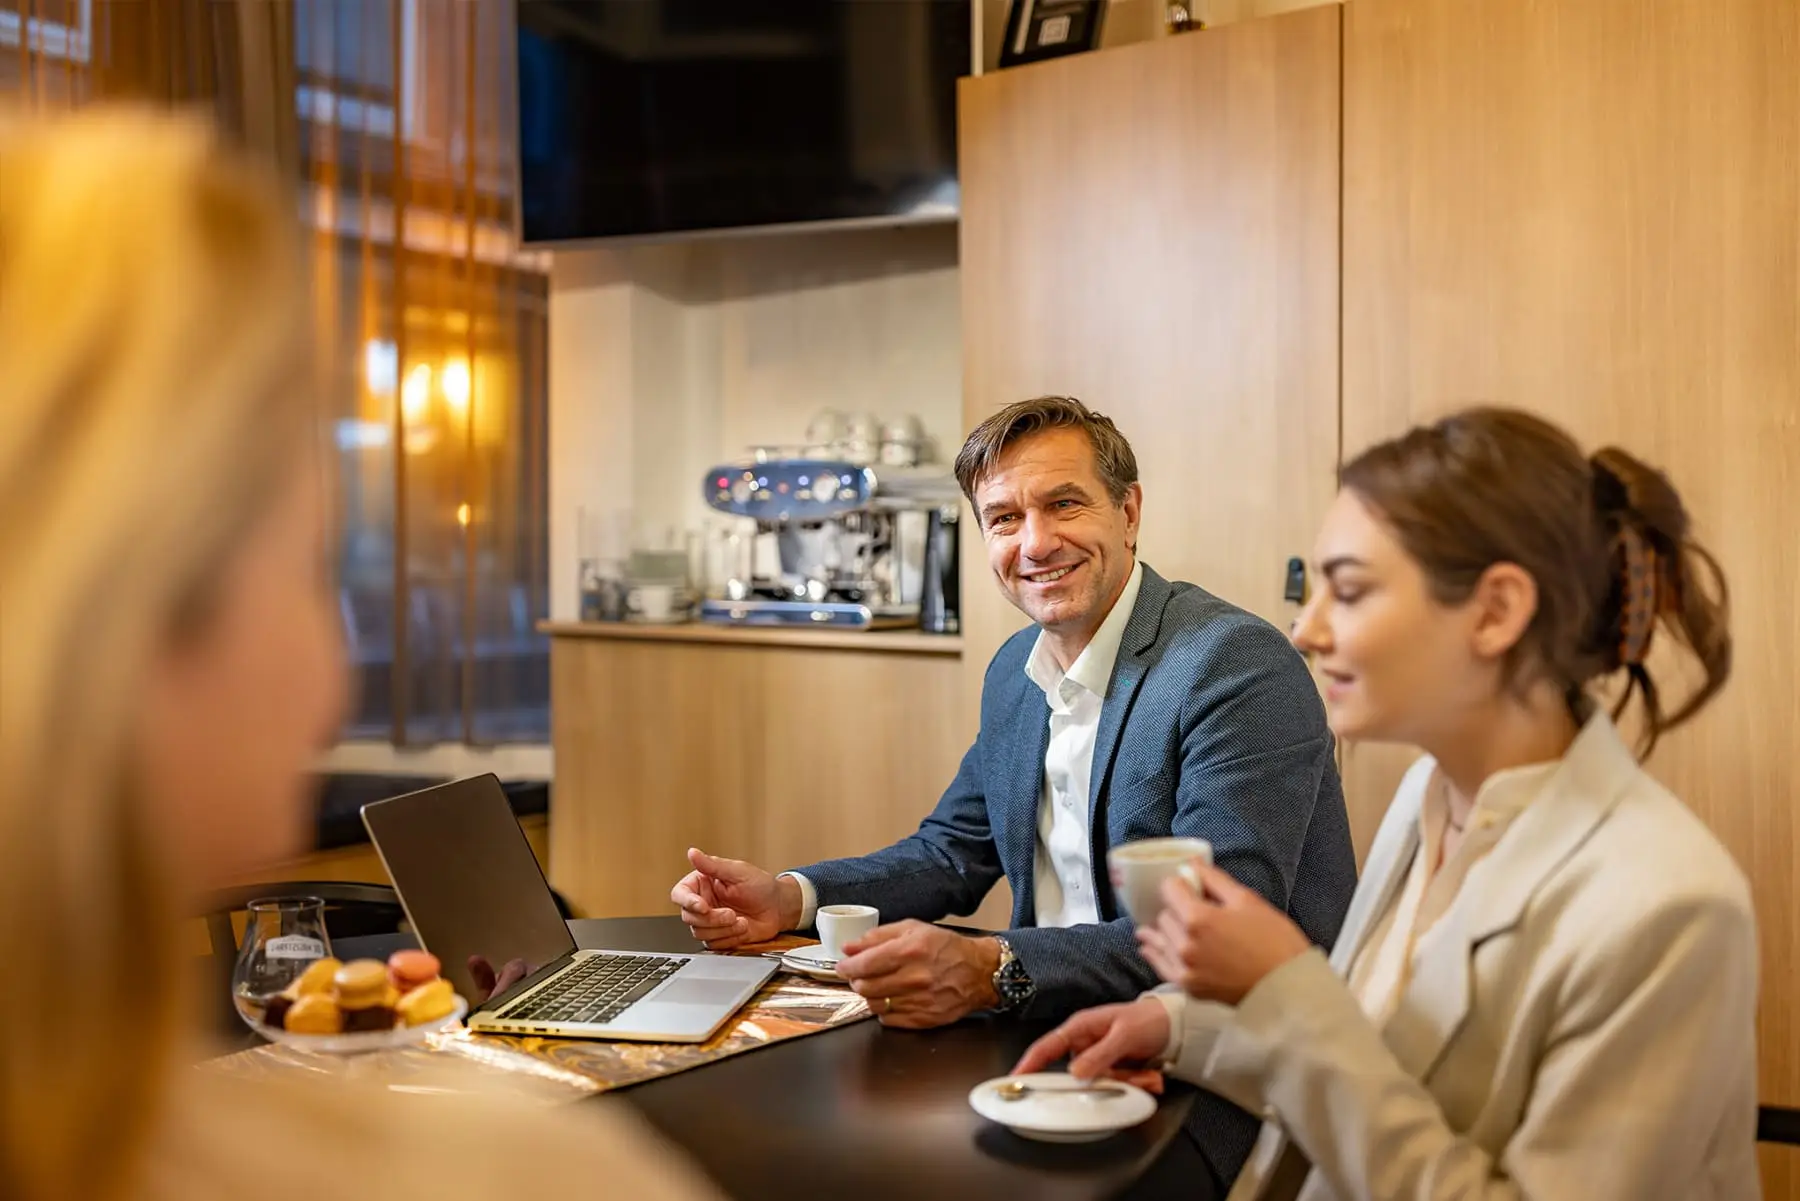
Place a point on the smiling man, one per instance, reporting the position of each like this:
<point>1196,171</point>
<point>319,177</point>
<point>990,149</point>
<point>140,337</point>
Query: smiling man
<point>1136,708</point>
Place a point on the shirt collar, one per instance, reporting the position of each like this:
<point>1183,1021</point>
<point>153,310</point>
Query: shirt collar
<point>1093,668</point>
<point>1501,797</point>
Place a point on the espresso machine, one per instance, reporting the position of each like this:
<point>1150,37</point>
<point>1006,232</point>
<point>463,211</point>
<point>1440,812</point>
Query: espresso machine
<point>837,544</point>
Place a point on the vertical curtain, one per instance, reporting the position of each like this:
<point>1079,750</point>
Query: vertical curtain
<point>395,119</point>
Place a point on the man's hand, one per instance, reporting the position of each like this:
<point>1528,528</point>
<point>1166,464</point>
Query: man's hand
<point>1119,1041</point>
<point>728,903</point>
<point>1220,946</point>
<point>915,975</point>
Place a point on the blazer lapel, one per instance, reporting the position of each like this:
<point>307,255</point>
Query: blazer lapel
<point>1128,672</point>
<point>1390,859</point>
<point>1584,789</point>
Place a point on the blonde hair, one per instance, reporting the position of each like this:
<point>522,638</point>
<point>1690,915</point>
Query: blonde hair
<point>156,383</point>
<point>156,380</point>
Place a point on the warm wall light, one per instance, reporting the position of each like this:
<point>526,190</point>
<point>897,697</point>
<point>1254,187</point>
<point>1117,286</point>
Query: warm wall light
<point>415,394</point>
<point>462,514</point>
<point>456,384</point>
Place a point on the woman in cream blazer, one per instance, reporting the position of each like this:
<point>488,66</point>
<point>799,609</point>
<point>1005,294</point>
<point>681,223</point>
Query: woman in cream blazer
<point>1546,985</point>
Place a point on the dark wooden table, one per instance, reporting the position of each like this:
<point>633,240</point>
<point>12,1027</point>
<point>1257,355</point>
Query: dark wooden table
<point>862,1112</point>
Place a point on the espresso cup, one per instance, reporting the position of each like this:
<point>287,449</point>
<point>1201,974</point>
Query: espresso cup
<point>653,602</point>
<point>1138,869</point>
<point>840,924</point>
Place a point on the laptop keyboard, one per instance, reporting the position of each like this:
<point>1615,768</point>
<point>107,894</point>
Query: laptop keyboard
<point>597,989</point>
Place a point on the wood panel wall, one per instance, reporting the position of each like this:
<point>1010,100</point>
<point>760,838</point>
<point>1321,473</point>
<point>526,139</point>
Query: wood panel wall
<point>1593,210</point>
<point>1154,230</point>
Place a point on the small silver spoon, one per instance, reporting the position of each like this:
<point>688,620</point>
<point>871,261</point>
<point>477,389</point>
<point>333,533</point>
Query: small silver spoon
<point>809,961</point>
<point>1014,1090</point>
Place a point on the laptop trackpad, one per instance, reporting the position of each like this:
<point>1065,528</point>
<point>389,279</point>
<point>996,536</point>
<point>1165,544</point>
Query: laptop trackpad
<point>699,992</point>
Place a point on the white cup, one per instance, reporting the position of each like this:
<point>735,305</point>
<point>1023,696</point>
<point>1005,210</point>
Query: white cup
<point>1138,869</point>
<point>653,602</point>
<point>840,924</point>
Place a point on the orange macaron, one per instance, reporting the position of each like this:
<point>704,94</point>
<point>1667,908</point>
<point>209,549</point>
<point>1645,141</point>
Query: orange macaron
<point>409,969</point>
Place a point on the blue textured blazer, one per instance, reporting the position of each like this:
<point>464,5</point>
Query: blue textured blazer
<point>1212,727</point>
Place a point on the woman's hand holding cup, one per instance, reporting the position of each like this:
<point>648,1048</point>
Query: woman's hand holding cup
<point>1220,940</point>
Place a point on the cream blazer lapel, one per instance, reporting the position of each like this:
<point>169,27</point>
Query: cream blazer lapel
<point>1390,858</point>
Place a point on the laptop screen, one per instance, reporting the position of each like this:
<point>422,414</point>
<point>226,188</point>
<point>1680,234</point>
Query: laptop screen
<point>468,878</point>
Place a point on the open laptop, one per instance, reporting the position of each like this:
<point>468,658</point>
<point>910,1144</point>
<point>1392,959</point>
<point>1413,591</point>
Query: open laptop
<point>471,886</point>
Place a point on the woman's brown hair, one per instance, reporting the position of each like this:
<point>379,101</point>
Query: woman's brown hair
<point>1605,537</point>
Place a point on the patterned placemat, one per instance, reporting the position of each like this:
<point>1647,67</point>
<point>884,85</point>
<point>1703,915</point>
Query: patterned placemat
<point>786,1007</point>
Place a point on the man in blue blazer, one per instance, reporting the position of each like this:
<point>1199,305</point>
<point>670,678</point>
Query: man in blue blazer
<point>1136,708</point>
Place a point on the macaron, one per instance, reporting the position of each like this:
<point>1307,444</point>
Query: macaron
<point>361,984</point>
<point>314,1014</point>
<point>428,1003</point>
<point>317,978</point>
<point>409,969</point>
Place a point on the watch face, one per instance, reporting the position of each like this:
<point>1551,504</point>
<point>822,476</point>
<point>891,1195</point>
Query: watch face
<point>1012,982</point>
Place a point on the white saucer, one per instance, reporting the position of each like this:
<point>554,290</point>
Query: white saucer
<point>813,961</point>
<point>1076,1118</point>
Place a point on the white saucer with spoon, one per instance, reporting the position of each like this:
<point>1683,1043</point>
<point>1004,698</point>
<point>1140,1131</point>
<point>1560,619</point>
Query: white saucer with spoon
<point>1055,1107</point>
<point>814,961</point>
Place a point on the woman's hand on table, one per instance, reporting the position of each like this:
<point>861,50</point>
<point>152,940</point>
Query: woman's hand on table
<point>1116,1041</point>
<point>1221,945</point>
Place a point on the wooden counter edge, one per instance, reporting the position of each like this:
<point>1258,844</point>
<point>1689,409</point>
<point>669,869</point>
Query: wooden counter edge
<point>892,641</point>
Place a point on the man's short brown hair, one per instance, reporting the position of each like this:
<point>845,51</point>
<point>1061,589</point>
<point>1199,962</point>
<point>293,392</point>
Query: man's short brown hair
<point>1113,457</point>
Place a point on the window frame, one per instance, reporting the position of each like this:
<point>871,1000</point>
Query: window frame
<point>328,105</point>
<point>52,39</point>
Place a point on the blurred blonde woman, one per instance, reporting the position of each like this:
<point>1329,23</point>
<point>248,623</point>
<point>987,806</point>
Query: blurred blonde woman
<point>169,664</point>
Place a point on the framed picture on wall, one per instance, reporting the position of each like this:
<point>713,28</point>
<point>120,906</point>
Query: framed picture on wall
<point>1041,29</point>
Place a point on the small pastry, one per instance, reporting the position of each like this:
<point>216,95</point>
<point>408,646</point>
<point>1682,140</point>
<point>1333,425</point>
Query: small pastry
<point>391,998</point>
<point>373,1017</point>
<point>275,1012</point>
<point>409,969</point>
<point>314,1014</point>
<point>361,984</point>
<point>316,979</point>
<point>428,1003</point>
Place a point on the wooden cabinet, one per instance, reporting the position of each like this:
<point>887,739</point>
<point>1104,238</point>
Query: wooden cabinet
<point>1154,230</point>
<point>777,747</point>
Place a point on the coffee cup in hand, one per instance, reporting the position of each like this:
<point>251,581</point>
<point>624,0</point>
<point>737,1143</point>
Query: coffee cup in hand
<point>1138,869</point>
<point>840,925</point>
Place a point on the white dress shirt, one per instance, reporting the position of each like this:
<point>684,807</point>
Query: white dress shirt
<point>1063,878</point>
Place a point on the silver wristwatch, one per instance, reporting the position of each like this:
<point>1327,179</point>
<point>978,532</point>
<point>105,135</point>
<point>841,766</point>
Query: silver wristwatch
<point>1012,983</point>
